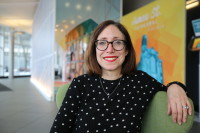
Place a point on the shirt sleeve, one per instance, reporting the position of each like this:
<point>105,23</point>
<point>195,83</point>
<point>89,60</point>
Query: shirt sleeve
<point>157,86</point>
<point>153,84</point>
<point>66,117</point>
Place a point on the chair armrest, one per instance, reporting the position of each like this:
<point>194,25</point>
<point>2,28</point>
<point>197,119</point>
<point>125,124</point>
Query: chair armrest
<point>156,119</point>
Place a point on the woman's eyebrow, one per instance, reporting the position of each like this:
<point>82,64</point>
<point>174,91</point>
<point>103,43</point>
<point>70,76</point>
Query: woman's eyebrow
<point>105,38</point>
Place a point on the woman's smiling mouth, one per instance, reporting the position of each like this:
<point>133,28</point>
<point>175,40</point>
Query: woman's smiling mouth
<point>110,58</point>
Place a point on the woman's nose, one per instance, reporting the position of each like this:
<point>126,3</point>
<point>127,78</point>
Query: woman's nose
<point>110,48</point>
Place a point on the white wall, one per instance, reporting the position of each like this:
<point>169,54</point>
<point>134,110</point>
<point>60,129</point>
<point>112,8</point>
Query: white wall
<point>42,73</point>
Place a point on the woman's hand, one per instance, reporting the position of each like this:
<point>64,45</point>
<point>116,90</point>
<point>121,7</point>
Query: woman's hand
<point>178,104</point>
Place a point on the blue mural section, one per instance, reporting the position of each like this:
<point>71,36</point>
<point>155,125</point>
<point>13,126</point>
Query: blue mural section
<point>198,45</point>
<point>150,62</point>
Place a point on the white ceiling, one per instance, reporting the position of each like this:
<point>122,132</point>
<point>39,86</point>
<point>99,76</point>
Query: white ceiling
<point>18,14</point>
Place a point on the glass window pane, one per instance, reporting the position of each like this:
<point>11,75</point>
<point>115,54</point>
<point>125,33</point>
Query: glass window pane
<point>4,50</point>
<point>21,53</point>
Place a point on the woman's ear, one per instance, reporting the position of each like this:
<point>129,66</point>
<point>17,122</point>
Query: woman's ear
<point>126,52</point>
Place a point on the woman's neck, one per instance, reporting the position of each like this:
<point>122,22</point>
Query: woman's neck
<point>110,75</point>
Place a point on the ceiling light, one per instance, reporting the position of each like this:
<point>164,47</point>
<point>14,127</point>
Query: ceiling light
<point>64,21</point>
<point>57,26</point>
<point>19,32</point>
<point>20,24</point>
<point>80,17</point>
<point>88,8</point>
<point>61,30</point>
<point>191,4</point>
<point>72,22</point>
<point>66,26</point>
<point>78,6</point>
<point>67,4</point>
<point>190,1</point>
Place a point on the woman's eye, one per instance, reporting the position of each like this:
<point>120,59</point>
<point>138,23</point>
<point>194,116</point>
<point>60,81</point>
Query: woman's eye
<point>102,43</point>
<point>118,42</point>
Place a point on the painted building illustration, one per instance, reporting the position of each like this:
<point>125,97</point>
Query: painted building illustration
<point>149,61</point>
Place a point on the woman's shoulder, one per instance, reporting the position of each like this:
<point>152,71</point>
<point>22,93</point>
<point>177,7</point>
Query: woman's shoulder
<point>141,74</point>
<point>85,77</point>
<point>83,80</point>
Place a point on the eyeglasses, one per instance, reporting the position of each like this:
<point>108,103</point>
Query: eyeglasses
<point>116,44</point>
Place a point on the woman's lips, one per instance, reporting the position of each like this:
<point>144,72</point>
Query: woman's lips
<point>110,58</point>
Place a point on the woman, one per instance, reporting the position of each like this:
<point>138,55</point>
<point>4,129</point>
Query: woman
<point>113,96</point>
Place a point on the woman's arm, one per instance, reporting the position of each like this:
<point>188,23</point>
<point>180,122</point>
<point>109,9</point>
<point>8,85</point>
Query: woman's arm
<point>178,103</point>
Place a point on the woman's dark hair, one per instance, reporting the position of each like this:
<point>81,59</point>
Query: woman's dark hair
<point>93,67</point>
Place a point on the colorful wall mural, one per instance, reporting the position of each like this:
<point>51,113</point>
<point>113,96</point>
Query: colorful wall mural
<point>75,45</point>
<point>164,29</point>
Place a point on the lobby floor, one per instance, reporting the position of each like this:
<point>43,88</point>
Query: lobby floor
<point>24,109</point>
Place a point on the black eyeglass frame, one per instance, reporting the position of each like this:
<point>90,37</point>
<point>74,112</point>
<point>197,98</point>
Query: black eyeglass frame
<point>110,43</point>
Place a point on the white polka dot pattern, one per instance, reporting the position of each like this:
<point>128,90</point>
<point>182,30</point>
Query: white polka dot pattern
<point>87,109</point>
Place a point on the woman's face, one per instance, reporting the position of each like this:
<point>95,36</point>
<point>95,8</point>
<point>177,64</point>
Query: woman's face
<point>110,59</point>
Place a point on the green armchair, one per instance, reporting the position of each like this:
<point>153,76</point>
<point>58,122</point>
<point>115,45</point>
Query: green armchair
<point>155,120</point>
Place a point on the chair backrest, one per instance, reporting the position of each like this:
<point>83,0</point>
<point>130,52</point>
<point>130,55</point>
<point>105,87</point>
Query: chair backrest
<point>155,118</point>
<point>61,94</point>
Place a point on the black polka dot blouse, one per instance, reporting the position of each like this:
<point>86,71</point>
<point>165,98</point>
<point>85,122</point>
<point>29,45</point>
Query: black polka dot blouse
<point>95,105</point>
